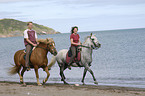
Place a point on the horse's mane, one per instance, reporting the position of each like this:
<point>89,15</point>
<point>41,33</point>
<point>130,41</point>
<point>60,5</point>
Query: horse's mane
<point>45,41</point>
<point>86,39</point>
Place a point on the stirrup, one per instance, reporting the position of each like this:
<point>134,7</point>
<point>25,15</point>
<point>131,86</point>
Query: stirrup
<point>69,66</point>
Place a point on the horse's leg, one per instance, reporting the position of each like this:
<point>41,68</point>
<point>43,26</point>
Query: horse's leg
<point>62,74</point>
<point>61,71</point>
<point>19,67</point>
<point>84,74</point>
<point>48,74</point>
<point>18,71</point>
<point>88,69</point>
<point>22,73</point>
<point>37,75</point>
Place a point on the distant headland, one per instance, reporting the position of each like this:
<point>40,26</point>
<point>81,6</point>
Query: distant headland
<point>13,28</point>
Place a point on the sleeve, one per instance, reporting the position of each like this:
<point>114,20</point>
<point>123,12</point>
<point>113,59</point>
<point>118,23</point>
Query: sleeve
<point>71,36</point>
<point>25,34</point>
<point>36,35</point>
<point>78,35</point>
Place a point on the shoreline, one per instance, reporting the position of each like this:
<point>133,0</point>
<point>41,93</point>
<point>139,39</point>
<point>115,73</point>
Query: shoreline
<point>81,86</point>
<point>9,88</point>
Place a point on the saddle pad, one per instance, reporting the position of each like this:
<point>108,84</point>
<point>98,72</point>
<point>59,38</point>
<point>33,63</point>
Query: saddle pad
<point>77,59</point>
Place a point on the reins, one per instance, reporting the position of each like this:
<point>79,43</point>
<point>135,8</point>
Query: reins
<point>42,48</point>
<point>88,46</point>
<point>85,46</point>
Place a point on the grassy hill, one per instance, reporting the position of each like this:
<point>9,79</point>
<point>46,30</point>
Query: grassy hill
<point>12,27</point>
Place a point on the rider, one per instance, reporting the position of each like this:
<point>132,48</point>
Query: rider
<point>75,42</point>
<point>30,41</point>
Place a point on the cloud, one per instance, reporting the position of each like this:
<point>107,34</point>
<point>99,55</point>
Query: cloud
<point>101,13</point>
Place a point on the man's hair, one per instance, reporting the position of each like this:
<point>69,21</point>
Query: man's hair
<point>29,23</point>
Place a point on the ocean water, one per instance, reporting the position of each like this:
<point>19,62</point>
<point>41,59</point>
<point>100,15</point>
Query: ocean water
<point>119,62</point>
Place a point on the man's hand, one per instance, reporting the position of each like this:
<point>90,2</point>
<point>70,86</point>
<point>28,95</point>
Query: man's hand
<point>34,45</point>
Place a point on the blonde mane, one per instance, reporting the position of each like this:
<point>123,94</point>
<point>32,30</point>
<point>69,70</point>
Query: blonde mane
<point>45,41</point>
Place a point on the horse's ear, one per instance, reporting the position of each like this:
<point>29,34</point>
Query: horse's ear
<point>47,39</point>
<point>91,34</point>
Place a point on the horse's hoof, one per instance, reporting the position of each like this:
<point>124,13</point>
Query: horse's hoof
<point>44,82</point>
<point>40,84</point>
<point>96,82</point>
<point>24,85</point>
<point>66,83</point>
<point>84,83</point>
<point>21,82</point>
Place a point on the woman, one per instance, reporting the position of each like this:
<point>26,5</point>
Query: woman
<point>75,42</point>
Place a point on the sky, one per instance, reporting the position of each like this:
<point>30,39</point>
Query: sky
<point>88,15</point>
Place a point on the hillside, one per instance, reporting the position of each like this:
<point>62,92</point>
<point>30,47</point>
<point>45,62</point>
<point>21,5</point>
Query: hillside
<point>12,27</point>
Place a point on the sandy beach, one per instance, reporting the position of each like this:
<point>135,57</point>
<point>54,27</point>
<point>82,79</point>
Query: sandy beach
<point>16,89</point>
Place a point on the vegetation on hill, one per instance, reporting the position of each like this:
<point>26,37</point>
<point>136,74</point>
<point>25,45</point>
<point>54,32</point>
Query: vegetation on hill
<point>12,27</point>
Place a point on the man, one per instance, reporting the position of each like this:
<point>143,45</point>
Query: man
<point>30,41</point>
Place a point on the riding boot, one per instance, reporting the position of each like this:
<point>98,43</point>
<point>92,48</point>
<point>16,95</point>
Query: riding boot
<point>28,49</point>
<point>69,66</point>
<point>73,50</point>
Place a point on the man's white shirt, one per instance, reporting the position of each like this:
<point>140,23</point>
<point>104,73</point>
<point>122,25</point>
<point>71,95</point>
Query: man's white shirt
<point>26,34</point>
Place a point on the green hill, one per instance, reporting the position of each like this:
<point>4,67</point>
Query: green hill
<point>12,27</point>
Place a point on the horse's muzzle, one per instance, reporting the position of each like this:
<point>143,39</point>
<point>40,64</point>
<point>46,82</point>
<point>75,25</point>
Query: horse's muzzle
<point>99,45</point>
<point>55,53</point>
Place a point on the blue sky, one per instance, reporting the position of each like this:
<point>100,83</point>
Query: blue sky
<point>88,15</point>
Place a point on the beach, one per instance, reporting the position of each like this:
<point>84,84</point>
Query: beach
<point>53,89</point>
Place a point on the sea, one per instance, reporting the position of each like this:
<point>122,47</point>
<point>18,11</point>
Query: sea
<point>119,62</point>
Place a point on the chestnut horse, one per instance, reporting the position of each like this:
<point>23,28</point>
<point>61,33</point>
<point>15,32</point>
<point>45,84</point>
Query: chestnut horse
<point>38,59</point>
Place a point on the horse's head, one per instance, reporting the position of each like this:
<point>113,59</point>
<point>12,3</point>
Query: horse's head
<point>94,42</point>
<point>49,45</point>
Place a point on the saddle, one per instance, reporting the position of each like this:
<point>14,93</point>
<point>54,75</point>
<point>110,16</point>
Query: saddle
<point>77,58</point>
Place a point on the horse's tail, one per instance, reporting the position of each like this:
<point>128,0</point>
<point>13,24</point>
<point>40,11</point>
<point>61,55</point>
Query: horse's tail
<point>13,70</point>
<point>52,62</point>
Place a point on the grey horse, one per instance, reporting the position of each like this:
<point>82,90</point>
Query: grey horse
<point>91,42</point>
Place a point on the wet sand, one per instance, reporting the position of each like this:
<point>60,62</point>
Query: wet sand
<point>49,89</point>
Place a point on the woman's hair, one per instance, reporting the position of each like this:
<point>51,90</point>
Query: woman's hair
<point>72,30</point>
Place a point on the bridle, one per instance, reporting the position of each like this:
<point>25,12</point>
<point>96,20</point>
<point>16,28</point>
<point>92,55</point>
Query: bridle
<point>92,40</point>
<point>47,48</point>
<point>43,48</point>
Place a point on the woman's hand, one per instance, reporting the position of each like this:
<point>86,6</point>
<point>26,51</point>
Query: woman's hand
<point>79,43</point>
